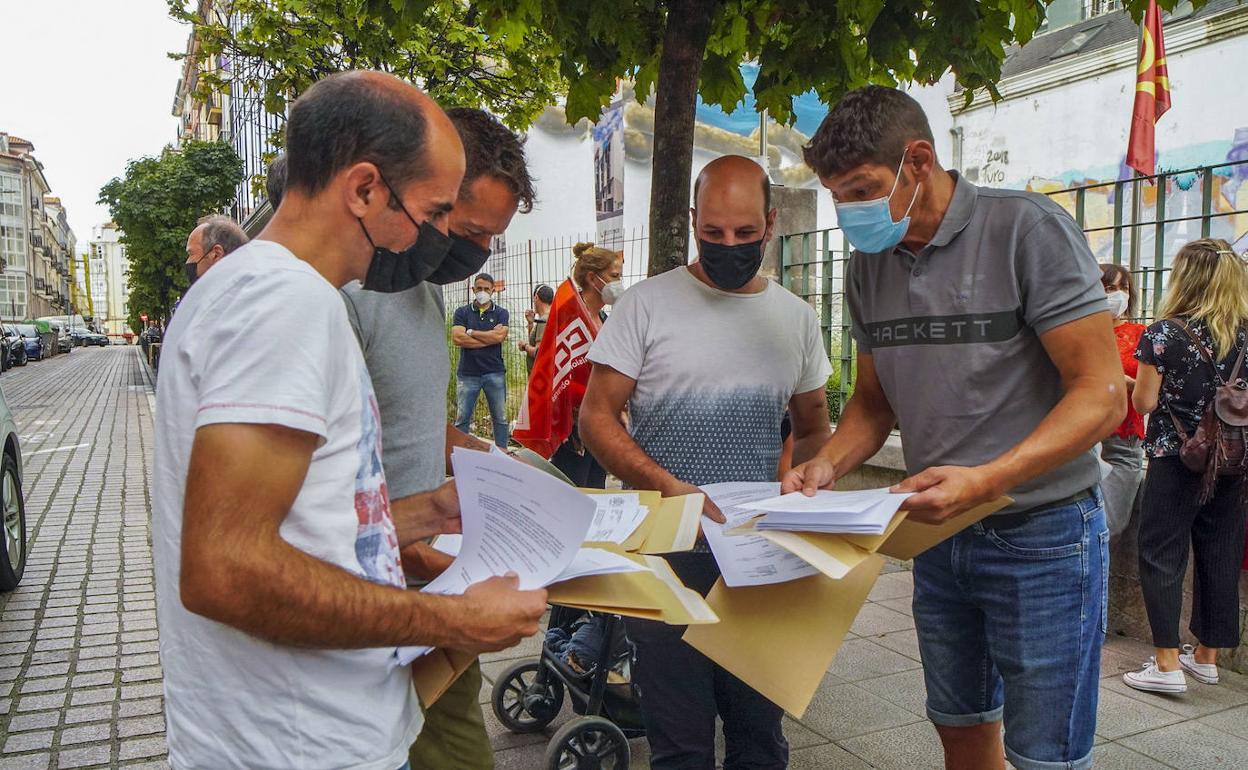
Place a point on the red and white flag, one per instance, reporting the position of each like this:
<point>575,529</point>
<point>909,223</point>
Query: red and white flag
<point>560,374</point>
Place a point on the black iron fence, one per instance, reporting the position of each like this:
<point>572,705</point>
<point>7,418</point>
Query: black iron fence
<point>518,268</point>
<point>1139,223</point>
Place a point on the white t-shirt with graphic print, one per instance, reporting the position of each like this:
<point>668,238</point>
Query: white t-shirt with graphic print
<point>263,338</point>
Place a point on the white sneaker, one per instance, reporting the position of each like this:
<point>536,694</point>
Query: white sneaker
<point>1151,679</point>
<point>1204,672</point>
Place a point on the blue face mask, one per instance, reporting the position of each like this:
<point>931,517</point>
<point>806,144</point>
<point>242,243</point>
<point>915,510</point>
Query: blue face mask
<point>869,225</point>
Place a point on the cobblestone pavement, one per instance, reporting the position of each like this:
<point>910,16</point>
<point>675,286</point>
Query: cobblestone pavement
<point>79,671</point>
<point>869,711</point>
<point>80,676</point>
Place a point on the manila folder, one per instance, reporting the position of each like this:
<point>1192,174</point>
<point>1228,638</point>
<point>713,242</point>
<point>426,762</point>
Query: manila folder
<point>434,673</point>
<point>780,639</point>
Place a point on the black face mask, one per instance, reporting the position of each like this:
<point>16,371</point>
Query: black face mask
<point>192,272</point>
<point>731,267</point>
<point>463,261</point>
<point>392,271</point>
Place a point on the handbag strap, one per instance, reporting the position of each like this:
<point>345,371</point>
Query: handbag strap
<point>1204,352</point>
<point>1178,426</point>
<point>1239,361</point>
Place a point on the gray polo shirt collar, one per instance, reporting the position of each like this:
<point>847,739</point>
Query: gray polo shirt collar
<point>957,216</point>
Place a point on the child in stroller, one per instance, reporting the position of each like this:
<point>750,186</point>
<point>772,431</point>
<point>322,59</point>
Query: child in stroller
<point>587,655</point>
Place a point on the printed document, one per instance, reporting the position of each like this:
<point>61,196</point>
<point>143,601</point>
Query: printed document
<point>746,559</point>
<point>515,519</point>
<point>586,562</point>
<point>617,517</point>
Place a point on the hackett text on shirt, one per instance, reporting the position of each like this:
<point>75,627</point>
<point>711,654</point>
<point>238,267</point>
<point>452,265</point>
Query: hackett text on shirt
<point>967,328</point>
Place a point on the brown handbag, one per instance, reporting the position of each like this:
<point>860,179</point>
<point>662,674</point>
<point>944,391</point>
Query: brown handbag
<point>1218,445</point>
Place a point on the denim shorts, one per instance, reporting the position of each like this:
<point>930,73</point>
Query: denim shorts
<point>1010,625</point>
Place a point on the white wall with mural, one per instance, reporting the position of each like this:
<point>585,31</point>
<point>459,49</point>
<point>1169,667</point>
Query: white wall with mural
<point>1076,134</point>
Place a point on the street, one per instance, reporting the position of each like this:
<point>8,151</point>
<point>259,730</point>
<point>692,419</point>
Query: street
<point>80,675</point>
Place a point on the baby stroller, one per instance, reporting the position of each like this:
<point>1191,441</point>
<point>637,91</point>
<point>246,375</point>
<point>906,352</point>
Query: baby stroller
<point>528,696</point>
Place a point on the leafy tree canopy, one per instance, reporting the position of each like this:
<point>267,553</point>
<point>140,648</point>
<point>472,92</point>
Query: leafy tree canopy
<point>156,205</point>
<point>278,48</point>
<point>830,46</point>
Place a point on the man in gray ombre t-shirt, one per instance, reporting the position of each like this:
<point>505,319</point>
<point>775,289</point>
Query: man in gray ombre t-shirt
<point>706,358</point>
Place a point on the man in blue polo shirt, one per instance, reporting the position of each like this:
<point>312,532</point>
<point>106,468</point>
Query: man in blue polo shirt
<point>479,330</point>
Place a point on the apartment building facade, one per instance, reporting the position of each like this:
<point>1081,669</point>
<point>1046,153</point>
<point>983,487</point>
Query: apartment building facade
<point>36,243</point>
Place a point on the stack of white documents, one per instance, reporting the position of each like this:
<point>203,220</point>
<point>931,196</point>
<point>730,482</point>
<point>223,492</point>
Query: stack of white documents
<point>515,519</point>
<point>863,512</point>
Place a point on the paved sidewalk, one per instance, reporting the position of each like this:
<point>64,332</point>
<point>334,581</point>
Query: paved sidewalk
<point>869,711</point>
<point>80,677</point>
<point>79,672</point>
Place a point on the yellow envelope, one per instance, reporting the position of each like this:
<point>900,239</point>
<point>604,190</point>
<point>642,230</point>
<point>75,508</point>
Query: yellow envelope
<point>780,639</point>
<point>671,525</point>
<point>655,595</point>
<point>907,538</point>
<point>833,555</point>
<point>433,674</point>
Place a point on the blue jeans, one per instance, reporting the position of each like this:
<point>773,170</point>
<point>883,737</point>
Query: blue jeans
<point>468,390</point>
<point>1010,624</point>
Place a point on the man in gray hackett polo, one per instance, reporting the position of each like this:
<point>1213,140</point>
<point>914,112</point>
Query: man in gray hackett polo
<point>983,333</point>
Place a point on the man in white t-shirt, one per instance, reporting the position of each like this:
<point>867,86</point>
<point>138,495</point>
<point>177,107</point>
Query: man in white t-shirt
<point>706,359</point>
<point>280,592</point>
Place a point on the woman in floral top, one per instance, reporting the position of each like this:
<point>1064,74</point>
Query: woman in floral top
<point>1123,451</point>
<point>1208,298</point>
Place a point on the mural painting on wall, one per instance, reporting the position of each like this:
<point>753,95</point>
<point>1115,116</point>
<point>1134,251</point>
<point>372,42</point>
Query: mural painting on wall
<point>1183,194</point>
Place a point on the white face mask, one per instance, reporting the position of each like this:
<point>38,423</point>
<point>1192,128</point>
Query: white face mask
<point>612,292</point>
<point>1118,301</point>
<point>483,297</point>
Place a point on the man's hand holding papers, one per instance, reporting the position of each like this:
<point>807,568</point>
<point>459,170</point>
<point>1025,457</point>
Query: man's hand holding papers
<point>941,493</point>
<point>497,616</point>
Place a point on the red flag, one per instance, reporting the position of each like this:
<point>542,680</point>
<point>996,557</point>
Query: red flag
<point>1152,93</point>
<point>560,374</point>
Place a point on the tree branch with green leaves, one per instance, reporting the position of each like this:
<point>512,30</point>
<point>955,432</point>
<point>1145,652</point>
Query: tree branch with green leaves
<point>156,204</point>
<point>279,48</point>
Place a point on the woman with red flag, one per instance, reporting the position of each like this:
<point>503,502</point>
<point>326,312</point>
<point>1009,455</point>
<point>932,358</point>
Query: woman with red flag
<point>547,421</point>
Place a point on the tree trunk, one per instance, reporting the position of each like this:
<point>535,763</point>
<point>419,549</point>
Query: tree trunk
<point>676,97</point>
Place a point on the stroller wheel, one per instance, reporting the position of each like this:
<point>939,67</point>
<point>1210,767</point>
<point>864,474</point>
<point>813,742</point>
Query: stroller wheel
<point>523,704</point>
<point>588,743</point>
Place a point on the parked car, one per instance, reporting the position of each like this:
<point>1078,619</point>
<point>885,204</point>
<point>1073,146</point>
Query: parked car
<point>64,342</point>
<point>12,504</point>
<point>32,341</point>
<point>88,338</point>
<point>12,348</point>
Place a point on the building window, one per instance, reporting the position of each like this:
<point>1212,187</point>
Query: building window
<point>13,246</point>
<point>13,296</point>
<point>11,204</point>
<point>1094,8</point>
